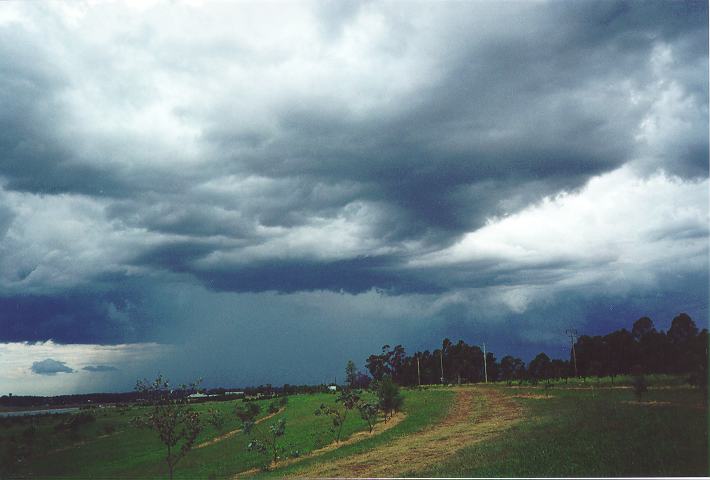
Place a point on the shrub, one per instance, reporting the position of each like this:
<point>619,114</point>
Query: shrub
<point>368,412</point>
<point>247,411</point>
<point>390,400</point>
<point>216,419</point>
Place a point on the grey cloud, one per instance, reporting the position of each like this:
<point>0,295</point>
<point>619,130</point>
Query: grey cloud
<point>436,120</point>
<point>100,368</point>
<point>50,367</point>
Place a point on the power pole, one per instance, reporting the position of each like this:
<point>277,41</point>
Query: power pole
<point>441,361</point>
<point>419,375</point>
<point>572,334</point>
<point>485,363</point>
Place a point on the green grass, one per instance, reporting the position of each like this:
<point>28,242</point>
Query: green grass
<point>423,408</point>
<point>126,452</point>
<point>593,432</point>
<point>129,452</point>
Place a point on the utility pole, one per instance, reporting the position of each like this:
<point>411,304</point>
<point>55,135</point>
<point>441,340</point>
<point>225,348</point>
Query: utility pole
<point>572,334</point>
<point>485,363</point>
<point>419,375</point>
<point>441,361</point>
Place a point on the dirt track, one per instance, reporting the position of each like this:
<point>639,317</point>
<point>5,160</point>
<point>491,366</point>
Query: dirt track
<point>460,428</point>
<point>234,432</point>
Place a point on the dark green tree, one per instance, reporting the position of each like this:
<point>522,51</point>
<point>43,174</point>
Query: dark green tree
<point>389,397</point>
<point>539,367</point>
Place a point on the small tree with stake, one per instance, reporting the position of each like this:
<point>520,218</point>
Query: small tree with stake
<point>170,417</point>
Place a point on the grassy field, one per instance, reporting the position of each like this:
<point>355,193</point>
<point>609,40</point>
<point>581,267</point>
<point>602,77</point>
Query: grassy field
<point>422,408</point>
<point>112,448</point>
<point>568,432</point>
<point>566,429</point>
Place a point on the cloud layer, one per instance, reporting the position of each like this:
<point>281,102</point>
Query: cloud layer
<point>475,162</point>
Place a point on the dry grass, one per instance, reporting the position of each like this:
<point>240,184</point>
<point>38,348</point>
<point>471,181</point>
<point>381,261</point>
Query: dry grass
<point>432,445</point>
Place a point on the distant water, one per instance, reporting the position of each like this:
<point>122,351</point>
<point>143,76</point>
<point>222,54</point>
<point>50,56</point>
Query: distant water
<point>51,411</point>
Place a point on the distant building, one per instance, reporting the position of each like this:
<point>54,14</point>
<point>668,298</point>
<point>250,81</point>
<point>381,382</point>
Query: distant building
<point>198,396</point>
<point>332,388</point>
<point>235,394</point>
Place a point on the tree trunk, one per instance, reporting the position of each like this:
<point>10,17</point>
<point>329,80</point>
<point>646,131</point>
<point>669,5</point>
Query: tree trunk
<point>170,463</point>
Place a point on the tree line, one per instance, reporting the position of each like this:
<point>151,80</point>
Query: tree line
<point>681,350</point>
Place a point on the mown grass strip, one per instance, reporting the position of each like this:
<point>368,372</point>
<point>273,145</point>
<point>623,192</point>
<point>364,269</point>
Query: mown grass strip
<point>598,432</point>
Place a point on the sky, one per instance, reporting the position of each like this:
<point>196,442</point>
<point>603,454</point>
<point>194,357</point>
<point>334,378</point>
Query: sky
<point>258,192</point>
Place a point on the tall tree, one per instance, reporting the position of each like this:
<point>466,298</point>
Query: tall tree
<point>539,367</point>
<point>351,374</point>
<point>682,329</point>
<point>642,327</point>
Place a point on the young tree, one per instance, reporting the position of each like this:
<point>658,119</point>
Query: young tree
<point>216,419</point>
<point>170,417</point>
<point>368,412</point>
<point>266,441</point>
<point>262,440</point>
<point>390,400</point>
<point>349,400</point>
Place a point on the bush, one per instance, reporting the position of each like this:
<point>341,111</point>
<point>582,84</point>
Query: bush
<point>72,423</point>
<point>247,411</point>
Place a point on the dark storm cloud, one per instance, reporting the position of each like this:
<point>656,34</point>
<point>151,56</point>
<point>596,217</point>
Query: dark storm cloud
<point>50,366</point>
<point>263,166</point>
<point>74,317</point>
<point>351,276</point>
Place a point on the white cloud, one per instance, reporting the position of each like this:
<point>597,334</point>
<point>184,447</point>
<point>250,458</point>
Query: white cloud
<point>20,365</point>
<point>619,231</point>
